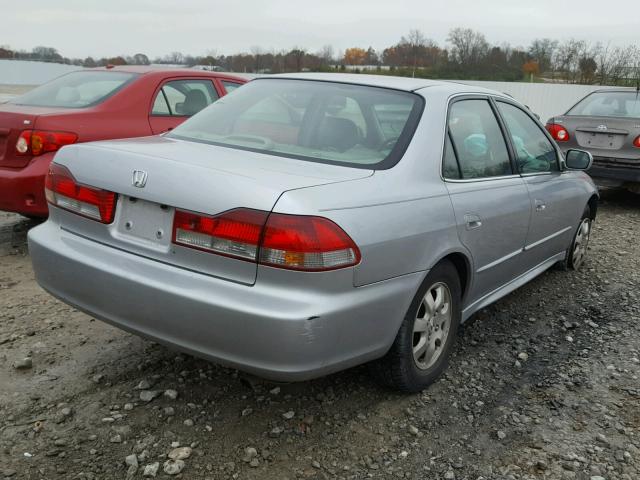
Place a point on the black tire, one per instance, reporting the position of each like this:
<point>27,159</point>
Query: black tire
<point>398,368</point>
<point>572,261</point>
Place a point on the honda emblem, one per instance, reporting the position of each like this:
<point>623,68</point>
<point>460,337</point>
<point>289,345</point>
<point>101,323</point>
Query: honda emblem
<point>139,178</point>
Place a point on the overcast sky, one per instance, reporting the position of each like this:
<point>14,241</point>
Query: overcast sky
<point>79,28</point>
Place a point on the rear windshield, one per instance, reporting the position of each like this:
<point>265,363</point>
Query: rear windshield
<point>75,90</point>
<point>325,122</point>
<point>609,104</point>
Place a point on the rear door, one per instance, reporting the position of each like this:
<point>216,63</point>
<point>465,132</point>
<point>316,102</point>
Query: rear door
<point>556,200</point>
<point>175,100</point>
<point>490,201</point>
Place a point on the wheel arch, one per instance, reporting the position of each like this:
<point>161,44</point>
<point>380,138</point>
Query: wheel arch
<point>593,206</point>
<point>463,266</point>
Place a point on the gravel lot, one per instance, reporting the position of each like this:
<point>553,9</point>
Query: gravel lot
<point>543,385</point>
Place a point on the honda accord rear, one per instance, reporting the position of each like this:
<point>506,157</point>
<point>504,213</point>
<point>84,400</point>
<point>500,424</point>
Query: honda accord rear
<point>201,239</point>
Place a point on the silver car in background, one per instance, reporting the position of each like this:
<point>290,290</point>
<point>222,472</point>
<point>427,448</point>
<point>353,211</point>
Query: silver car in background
<point>607,124</point>
<point>312,222</point>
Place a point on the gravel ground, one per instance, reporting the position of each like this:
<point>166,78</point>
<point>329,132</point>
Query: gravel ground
<point>542,385</point>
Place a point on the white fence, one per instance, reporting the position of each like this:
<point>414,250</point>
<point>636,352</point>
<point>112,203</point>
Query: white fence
<point>20,72</point>
<point>545,99</point>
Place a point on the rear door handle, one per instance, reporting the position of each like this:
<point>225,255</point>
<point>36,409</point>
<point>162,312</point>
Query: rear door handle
<point>473,221</point>
<point>540,206</point>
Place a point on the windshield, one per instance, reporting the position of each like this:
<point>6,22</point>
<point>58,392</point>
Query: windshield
<point>75,90</point>
<point>326,122</point>
<point>609,104</point>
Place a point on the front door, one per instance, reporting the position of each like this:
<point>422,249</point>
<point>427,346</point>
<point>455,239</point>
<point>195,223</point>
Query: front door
<point>490,201</point>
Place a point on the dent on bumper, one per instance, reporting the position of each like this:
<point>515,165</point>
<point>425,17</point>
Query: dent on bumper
<point>287,334</point>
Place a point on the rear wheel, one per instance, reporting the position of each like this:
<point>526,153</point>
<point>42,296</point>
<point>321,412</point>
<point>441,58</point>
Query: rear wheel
<point>422,346</point>
<point>578,250</point>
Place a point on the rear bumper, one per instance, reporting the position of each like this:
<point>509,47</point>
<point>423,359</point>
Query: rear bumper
<point>295,332</point>
<point>611,171</point>
<point>22,189</point>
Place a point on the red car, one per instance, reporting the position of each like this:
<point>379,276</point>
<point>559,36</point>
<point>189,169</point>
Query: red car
<point>93,104</point>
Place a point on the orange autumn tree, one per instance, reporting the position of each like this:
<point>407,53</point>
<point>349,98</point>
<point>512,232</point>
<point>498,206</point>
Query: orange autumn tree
<point>531,68</point>
<point>355,56</point>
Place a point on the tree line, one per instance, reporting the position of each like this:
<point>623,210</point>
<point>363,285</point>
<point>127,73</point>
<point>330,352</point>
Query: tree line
<point>467,54</point>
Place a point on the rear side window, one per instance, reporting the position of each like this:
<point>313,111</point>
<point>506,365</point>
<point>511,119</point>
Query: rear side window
<point>534,152</point>
<point>230,86</point>
<point>477,140</point>
<point>76,90</point>
<point>450,169</point>
<point>183,98</point>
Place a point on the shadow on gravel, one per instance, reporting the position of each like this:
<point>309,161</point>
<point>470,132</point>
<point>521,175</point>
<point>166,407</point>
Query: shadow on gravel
<point>13,233</point>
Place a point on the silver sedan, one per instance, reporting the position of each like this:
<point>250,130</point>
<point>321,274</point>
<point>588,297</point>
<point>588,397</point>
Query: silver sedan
<point>312,222</point>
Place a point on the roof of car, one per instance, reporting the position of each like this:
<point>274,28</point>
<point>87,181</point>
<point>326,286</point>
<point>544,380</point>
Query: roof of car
<point>161,70</point>
<point>384,81</point>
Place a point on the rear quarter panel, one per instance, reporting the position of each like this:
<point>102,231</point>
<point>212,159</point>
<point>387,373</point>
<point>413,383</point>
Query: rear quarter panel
<point>401,218</point>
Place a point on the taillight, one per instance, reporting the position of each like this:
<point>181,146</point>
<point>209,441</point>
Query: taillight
<point>285,241</point>
<point>636,142</point>
<point>62,190</point>
<point>37,142</point>
<point>235,233</point>
<point>558,132</point>
<point>306,243</point>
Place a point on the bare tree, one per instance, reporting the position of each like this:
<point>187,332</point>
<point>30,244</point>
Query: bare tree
<point>468,47</point>
<point>326,55</point>
<point>140,59</point>
<point>541,50</point>
<point>417,42</point>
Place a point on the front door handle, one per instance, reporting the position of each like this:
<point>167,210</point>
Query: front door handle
<point>473,221</point>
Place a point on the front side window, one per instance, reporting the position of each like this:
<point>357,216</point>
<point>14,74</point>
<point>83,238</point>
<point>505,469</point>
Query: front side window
<point>534,152</point>
<point>477,140</point>
<point>609,104</point>
<point>183,98</point>
<point>310,120</point>
<point>76,90</point>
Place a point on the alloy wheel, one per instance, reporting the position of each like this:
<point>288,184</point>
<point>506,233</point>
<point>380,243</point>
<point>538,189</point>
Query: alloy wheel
<point>431,325</point>
<point>581,243</point>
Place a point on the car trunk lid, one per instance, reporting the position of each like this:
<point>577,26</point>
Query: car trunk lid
<point>188,176</point>
<point>603,135</point>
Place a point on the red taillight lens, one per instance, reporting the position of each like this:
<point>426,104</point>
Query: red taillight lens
<point>284,241</point>
<point>235,233</point>
<point>62,190</point>
<point>37,142</point>
<point>306,243</point>
<point>636,142</point>
<point>558,132</point>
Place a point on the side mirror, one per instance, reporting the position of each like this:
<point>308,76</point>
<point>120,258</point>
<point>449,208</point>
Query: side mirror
<point>179,108</point>
<point>578,159</point>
